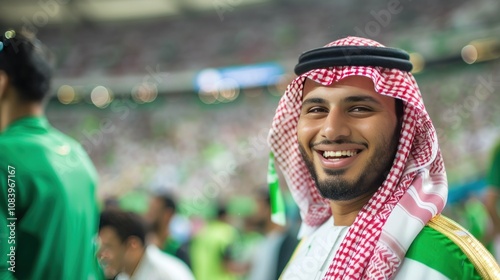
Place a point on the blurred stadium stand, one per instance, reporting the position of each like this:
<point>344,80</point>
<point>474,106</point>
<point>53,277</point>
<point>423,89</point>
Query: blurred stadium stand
<point>139,63</point>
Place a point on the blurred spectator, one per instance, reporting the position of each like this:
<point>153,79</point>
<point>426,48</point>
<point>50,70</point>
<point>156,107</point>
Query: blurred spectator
<point>264,265</point>
<point>124,254</point>
<point>162,209</point>
<point>251,236</point>
<point>290,242</point>
<point>477,221</point>
<point>212,250</point>
<point>47,182</point>
<point>111,203</point>
<point>493,194</point>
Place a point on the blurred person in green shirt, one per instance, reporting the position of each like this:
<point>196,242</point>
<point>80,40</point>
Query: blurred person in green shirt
<point>492,197</point>
<point>477,221</point>
<point>49,214</point>
<point>212,250</point>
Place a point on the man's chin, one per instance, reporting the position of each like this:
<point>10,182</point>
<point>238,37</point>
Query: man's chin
<point>110,272</point>
<point>338,188</point>
<point>327,174</point>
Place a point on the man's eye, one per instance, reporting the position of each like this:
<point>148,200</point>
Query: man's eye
<point>316,110</point>
<point>360,109</point>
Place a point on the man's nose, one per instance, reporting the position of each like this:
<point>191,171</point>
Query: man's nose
<point>336,125</point>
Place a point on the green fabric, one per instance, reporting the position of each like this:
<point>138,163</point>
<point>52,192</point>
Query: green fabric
<point>54,185</point>
<point>209,248</point>
<point>493,177</point>
<point>438,252</point>
<point>170,246</point>
<point>278,214</point>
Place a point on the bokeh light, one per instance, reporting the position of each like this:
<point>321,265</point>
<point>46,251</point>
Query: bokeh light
<point>66,94</point>
<point>101,96</point>
<point>145,93</point>
<point>418,62</point>
<point>469,54</point>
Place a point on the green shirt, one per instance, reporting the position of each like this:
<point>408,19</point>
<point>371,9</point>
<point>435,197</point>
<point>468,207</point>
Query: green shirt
<point>49,214</point>
<point>175,248</point>
<point>209,248</point>
<point>171,246</point>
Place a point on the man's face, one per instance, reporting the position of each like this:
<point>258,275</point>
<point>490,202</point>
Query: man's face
<point>111,252</point>
<point>154,213</point>
<point>262,213</point>
<point>347,136</point>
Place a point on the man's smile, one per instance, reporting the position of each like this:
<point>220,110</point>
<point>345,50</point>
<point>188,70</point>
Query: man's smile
<point>338,156</point>
<point>339,159</point>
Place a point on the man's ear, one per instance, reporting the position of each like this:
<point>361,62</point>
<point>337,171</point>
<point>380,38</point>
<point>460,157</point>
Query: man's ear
<point>4,82</point>
<point>134,242</point>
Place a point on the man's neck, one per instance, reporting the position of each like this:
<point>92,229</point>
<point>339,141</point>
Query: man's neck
<point>345,211</point>
<point>131,268</point>
<point>272,227</point>
<point>162,234</point>
<point>10,114</point>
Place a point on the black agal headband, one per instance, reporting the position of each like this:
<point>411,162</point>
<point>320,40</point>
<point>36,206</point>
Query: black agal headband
<point>353,56</point>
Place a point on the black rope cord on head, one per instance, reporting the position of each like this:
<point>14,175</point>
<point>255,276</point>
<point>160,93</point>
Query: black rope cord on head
<point>353,56</point>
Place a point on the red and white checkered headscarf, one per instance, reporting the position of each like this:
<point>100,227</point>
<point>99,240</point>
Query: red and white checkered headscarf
<point>414,191</point>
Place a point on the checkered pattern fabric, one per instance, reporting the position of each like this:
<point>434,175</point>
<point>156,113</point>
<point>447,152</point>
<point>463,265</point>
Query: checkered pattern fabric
<point>415,189</point>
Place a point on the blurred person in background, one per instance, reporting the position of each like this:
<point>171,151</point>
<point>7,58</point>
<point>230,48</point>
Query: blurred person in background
<point>360,155</point>
<point>111,203</point>
<point>49,212</point>
<point>265,262</point>
<point>493,196</point>
<point>124,254</point>
<point>477,220</point>
<point>162,209</point>
<point>212,250</point>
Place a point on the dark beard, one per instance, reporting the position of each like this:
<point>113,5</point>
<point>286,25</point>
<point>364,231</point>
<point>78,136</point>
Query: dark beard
<point>336,188</point>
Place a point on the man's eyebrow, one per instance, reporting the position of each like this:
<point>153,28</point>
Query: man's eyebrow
<point>350,99</point>
<point>361,98</point>
<point>314,100</point>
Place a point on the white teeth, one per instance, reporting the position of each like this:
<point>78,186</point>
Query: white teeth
<point>348,153</point>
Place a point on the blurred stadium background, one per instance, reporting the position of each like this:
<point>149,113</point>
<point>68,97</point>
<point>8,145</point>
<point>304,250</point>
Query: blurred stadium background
<point>179,95</point>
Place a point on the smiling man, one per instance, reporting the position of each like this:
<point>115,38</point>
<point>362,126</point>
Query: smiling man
<point>350,132</point>
<point>360,156</point>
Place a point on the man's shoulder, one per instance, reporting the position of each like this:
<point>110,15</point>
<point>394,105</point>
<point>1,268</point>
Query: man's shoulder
<point>41,137</point>
<point>165,265</point>
<point>157,255</point>
<point>11,144</point>
<point>445,246</point>
<point>8,140</point>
